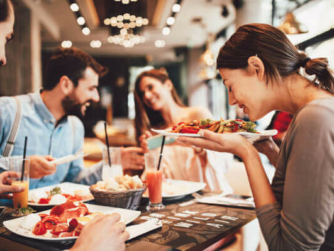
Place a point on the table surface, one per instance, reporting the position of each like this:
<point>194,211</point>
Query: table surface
<point>185,227</point>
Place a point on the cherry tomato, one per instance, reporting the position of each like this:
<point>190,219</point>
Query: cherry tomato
<point>39,229</point>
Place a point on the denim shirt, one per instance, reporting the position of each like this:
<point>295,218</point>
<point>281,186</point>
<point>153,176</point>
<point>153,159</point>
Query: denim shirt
<point>45,138</point>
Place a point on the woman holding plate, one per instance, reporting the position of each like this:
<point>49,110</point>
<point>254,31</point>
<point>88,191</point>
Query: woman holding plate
<point>158,106</point>
<point>263,71</point>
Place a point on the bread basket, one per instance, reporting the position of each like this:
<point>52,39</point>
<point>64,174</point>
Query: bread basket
<point>129,199</point>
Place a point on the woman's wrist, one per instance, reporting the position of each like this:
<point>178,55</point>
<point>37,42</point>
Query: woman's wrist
<point>247,151</point>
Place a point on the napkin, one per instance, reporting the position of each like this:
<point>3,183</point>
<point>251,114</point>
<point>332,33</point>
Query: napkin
<point>137,230</point>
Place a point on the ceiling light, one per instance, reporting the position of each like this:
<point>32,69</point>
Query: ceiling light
<point>95,44</point>
<point>170,20</point>
<point>110,39</point>
<point>107,21</point>
<point>120,18</point>
<point>145,21</point>
<point>125,1</point>
<point>74,7</point>
<point>66,44</point>
<point>81,20</point>
<point>123,32</point>
<point>132,25</point>
<point>86,31</point>
<point>126,16</point>
<point>133,0</point>
<point>120,25</point>
<point>166,31</point>
<point>160,43</point>
<point>176,7</point>
<point>132,18</point>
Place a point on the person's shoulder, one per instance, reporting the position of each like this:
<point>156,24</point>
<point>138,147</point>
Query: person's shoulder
<point>199,112</point>
<point>317,115</point>
<point>7,105</point>
<point>322,109</point>
<point>76,121</point>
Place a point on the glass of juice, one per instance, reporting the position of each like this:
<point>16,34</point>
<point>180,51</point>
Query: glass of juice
<point>115,169</point>
<point>20,200</point>
<point>154,180</point>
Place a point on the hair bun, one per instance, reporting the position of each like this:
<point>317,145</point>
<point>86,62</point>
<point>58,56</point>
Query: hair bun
<point>304,62</point>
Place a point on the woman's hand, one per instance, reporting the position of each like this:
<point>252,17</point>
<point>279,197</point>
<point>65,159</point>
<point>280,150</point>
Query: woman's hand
<point>269,148</point>
<point>133,158</point>
<point>5,183</point>
<point>143,141</point>
<point>231,143</point>
<point>102,233</point>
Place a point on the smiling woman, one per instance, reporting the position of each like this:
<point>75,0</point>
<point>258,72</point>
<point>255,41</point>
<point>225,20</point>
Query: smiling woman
<point>263,71</point>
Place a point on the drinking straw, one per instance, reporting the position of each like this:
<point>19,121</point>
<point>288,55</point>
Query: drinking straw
<point>107,141</point>
<point>24,157</point>
<point>161,149</point>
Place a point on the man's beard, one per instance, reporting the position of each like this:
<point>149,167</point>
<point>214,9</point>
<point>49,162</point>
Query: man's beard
<point>72,107</point>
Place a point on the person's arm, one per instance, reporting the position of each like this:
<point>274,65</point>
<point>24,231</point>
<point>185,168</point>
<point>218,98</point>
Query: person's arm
<point>269,148</point>
<point>301,223</point>
<point>7,114</point>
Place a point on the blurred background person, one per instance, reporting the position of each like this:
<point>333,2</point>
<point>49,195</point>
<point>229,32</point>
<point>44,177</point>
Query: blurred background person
<point>158,106</point>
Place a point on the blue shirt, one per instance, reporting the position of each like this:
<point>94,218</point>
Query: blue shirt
<point>45,138</point>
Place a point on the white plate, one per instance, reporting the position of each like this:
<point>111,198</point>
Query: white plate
<point>65,187</point>
<point>181,188</point>
<point>15,224</point>
<point>252,137</point>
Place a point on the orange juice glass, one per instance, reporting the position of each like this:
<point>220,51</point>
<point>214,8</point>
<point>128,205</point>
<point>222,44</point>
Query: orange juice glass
<point>20,199</point>
<point>154,180</point>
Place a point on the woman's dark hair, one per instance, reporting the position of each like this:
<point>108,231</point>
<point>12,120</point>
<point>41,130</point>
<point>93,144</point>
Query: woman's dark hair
<point>145,116</point>
<point>71,63</point>
<point>279,56</point>
<point>4,10</point>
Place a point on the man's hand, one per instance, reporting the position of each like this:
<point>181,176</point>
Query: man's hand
<point>133,158</point>
<point>102,233</point>
<point>40,166</point>
<point>5,183</point>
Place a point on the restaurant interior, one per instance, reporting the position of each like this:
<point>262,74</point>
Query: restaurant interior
<point>180,37</point>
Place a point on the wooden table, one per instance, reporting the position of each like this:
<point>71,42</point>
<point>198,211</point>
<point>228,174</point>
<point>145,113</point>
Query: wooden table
<point>185,227</point>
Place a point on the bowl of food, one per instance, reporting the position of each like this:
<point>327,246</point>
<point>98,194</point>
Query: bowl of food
<point>120,191</point>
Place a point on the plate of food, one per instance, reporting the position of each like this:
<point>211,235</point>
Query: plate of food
<point>63,222</point>
<point>59,194</point>
<point>237,126</point>
<point>177,189</point>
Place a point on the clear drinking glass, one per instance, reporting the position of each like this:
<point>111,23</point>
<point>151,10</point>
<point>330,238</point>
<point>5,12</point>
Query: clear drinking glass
<point>154,180</point>
<point>115,169</point>
<point>20,200</point>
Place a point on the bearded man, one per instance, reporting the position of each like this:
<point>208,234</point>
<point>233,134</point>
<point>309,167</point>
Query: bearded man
<point>70,85</point>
